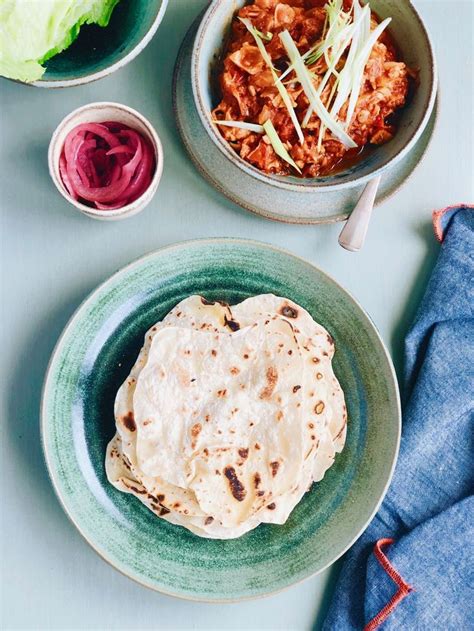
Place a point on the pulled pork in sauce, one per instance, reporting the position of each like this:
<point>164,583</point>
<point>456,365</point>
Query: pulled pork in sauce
<point>249,94</point>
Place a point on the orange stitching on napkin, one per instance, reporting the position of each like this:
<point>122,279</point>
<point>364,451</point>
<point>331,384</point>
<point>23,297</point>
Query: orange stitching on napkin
<point>403,588</point>
<point>438,214</point>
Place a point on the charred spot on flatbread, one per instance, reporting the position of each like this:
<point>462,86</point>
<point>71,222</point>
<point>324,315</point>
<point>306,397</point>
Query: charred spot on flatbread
<point>271,379</point>
<point>289,312</point>
<point>232,324</point>
<point>319,407</point>
<point>129,422</point>
<point>236,487</point>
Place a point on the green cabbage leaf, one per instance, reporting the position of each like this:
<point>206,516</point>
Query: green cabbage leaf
<point>33,31</point>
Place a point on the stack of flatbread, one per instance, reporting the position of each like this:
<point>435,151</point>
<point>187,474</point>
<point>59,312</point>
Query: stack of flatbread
<point>228,415</point>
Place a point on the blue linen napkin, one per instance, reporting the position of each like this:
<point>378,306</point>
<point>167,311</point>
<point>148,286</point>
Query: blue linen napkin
<point>420,574</point>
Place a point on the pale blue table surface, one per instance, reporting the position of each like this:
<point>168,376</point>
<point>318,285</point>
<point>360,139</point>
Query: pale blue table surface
<point>52,257</point>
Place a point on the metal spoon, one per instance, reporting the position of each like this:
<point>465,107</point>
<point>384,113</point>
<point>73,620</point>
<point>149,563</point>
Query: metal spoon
<point>352,236</point>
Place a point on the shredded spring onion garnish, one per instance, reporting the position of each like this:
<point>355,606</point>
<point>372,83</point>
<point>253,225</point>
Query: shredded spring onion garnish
<point>344,81</point>
<point>345,32</point>
<point>338,48</point>
<point>279,85</point>
<point>304,77</point>
<point>277,144</point>
<point>266,36</point>
<point>258,129</point>
<point>359,65</point>
<point>336,29</point>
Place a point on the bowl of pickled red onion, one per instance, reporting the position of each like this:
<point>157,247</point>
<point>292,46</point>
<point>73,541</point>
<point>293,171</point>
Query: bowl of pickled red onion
<point>106,159</point>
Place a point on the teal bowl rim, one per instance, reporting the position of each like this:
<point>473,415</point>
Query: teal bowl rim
<point>89,299</point>
<point>123,61</point>
<point>292,183</point>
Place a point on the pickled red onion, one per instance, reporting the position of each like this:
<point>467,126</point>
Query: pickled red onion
<point>106,165</point>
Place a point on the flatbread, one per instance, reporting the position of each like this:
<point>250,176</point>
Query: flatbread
<point>226,418</point>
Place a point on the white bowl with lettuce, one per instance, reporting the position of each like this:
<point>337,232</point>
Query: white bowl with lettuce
<point>412,39</point>
<point>51,43</point>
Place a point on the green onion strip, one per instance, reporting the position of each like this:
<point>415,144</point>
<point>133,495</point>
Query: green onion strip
<point>279,85</point>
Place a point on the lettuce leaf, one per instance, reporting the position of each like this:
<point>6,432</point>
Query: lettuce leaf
<point>32,31</point>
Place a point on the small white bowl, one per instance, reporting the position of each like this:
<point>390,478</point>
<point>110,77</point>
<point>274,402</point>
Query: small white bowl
<point>100,113</point>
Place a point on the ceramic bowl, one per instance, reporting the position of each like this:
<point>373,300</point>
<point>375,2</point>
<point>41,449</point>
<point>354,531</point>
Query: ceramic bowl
<point>94,356</point>
<point>97,52</point>
<point>98,113</point>
<point>416,50</point>
<point>272,202</point>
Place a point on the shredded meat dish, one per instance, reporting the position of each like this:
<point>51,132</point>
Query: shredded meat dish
<point>248,92</point>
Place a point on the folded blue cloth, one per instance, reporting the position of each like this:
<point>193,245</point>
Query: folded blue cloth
<point>424,579</point>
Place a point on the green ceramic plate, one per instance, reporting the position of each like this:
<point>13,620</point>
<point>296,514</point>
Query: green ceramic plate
<point>93,357</point>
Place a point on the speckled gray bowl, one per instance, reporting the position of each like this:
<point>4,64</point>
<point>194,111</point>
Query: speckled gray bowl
<point>292,199</point>
<point>416,50</point>
<point>94,356</point>
<point>315,205</point>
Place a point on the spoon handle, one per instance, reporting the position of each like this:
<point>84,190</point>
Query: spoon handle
<point>352,236</point>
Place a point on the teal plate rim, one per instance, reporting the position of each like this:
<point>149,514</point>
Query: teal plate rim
<point>88,301</point>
